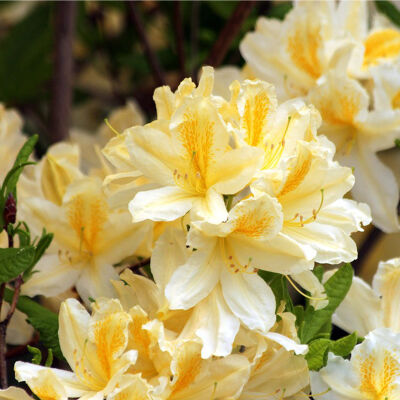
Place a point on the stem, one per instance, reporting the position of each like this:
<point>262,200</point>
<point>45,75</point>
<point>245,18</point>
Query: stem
<point>229,32</point>
<point>61,90</point>
<point>178,27</point>
<point>153,61</point>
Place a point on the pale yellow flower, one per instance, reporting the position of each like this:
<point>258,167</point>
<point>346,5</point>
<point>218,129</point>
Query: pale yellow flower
<point>293,53</point>
<point>294,214</point>
<point>187,152</point>
<point>89,234</point>
<point>279,370</point>
<point>358,134</point>
<point>94,346</point>
<point>371,373</point>
<point>366,308</point>
<point>329,53</point>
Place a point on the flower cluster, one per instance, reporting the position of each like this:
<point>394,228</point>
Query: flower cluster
<point>329,54</point>
<point>176,241</point>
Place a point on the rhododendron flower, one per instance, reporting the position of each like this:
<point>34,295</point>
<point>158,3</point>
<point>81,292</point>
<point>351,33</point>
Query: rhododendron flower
<point>328,53</point>
<point>89,235</point>
<point>95,349</point>
<point>371,373</point>
<point>186,151</point>
<point>366,308</point>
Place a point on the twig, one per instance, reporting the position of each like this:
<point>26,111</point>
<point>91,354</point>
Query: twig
<point>367,247</point>
<point>153,61</point>
<point>178,27</point>
<point>61,91</point>
<point>229,32</point>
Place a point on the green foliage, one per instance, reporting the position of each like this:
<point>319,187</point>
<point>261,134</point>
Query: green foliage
<point>42,319</point>
<point>317,355</point>
<point>318,350</point>
<point>278,284</point>
<point>49,360</point>
<point>389,9</point>
<point>25,57</point>
<point>280,9</point>
<point>9,185</point>
<point>14,262</point>
<point>315,321</point>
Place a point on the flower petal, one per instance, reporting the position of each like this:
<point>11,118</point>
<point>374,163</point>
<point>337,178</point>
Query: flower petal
<point>250,299</point>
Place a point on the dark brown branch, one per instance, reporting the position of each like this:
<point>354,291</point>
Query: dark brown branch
<point>178,27</point>
<point>229,32</point>
<point>366,248</point>
<point>153,61</point>
<point>61,90</point>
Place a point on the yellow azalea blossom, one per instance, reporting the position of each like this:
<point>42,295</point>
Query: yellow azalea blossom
<point>366,308</point>
<point>89,235</point>
<point>298,171</point>
<point>187,152</point>
<point>358,134</point>
<point>279,369</point>
<point>372,373</point>
<point>94,346</point>
<point>328,53</point>
<point>293,216</point>
<point>294,53</point>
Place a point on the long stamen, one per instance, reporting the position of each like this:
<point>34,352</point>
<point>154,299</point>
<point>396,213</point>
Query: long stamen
<point>302,221</point>
<point>107,122</point>
<point>295,287</point>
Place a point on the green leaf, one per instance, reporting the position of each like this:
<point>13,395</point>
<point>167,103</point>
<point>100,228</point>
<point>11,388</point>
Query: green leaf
<point>37,354</point>
<point>336,289</point>
<point>15,261</point>
<point>397,143</point>
<point>43,244</point>
<point>10,181</point>
<point>278,284</point>
<point>280,9</point>
<point>345,345</point>
<point>298,311</point>
<point>317,355</point>
<point>319,272</point>
<point>389,9</point>
<point>42,319</point>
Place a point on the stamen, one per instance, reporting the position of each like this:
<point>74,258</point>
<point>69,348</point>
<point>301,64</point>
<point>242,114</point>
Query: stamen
<point>111,127</point>
<point>302,221</point>
<point>295,287</point>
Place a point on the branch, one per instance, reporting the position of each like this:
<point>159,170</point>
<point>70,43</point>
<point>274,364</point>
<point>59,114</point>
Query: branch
<point>229,32</point>
<point>61,90</point>
<point>153,61</point>
<point>178,28</point>
<point>366,248</point>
